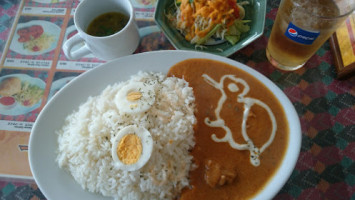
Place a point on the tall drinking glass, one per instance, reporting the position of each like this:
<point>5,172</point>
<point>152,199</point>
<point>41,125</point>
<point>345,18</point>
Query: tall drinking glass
<point>301,27</point>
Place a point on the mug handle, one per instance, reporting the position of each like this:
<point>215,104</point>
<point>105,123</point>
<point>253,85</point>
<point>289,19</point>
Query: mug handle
<point>79,53</point>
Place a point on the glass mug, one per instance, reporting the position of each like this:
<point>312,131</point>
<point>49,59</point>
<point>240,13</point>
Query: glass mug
<point>301,27</point>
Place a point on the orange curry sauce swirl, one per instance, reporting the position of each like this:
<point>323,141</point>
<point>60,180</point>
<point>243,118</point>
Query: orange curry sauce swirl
<point>224,172</point>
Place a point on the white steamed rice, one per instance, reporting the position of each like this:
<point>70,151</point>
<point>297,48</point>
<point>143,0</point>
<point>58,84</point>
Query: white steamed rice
<point>84,142</point>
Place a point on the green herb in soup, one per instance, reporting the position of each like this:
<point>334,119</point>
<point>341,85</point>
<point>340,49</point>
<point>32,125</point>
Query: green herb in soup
<point>107,24</point>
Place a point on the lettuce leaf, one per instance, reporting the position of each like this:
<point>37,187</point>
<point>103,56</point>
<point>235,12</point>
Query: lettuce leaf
<point>235,31</point>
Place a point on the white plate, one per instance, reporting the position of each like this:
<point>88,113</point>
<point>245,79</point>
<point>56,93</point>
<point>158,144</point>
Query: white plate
<point>55,183</point>
<point>58,84</point>
<point>20,109</point>
<point>48,28</point>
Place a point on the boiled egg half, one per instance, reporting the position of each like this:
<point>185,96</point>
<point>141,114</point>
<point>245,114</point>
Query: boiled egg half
<point>132,148</point>
<point>136,97</point>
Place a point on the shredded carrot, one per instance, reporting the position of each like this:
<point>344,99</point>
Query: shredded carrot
<point>199,17</point>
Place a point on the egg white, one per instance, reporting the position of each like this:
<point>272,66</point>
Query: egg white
<point>138,106</point>
<point>147,147</point>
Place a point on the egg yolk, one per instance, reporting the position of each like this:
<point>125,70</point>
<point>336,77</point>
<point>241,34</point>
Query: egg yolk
<point>134,96</point>
<point>129,149</point>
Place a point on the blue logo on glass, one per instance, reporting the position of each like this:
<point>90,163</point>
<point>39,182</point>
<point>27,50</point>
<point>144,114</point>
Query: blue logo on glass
<point>300,35</point>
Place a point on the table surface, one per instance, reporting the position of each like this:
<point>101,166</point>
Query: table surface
<point>325,105</point>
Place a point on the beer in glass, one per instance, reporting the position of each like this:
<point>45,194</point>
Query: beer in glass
<point>301,27</point>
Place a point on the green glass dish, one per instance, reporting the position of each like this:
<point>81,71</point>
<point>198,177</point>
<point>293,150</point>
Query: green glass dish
<point>255,12</point>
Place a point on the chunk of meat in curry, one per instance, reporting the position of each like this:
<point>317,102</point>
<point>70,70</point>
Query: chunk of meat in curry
<point>217,175</point>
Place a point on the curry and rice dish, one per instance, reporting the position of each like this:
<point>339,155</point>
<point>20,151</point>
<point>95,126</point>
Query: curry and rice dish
<point>207,130</point>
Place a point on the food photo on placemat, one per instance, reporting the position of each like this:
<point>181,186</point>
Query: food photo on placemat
<point>20,94</point>
<point>35,37</point>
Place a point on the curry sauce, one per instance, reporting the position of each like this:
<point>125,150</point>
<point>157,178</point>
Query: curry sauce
<point>224,172</point>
